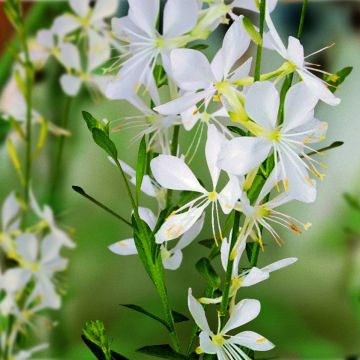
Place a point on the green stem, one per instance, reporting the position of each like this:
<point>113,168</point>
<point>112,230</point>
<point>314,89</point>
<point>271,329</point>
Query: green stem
<point>302,18</point>
<point>174,146</point>
<point>226,289</point>
<point>260,46</point>
<point>80,191</point>
<point>61,144</point>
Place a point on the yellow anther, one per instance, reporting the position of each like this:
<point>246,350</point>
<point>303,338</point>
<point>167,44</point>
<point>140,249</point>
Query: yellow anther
<point>295,229</point>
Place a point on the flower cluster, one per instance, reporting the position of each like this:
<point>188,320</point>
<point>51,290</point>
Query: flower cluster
<point>259,147</point>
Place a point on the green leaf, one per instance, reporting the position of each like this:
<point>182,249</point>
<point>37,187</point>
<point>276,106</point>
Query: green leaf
<point>204,267</point>
<point>335,80</point>
<point>96,350</point>
<point>252,249</point>
<point>208,243</point>
<point>147,313</point>
<point>140,167</point>
<point>334,145</point>
<point>161,351</point>
<point>160,76</point>
<point>178,317</point>
<point>91,122</point>
<point>236,130</point>
<point>103,140</point>
<point>250,29</point>
<point>352,202</point>
<point>5,128</point>
<point>199,47</point>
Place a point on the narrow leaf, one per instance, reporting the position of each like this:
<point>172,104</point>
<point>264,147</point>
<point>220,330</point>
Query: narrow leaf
<point>91,122</point>
<point>96,350</point>
<point>140,167</point>
<point>103,140</point>
<point>147,313</point>
<point>5,128</point>
<point>204,267</point>
<point>178,317</point>
<point>354,203</point>
<point>236,130</point>
<point>334,145</point>
<point>161,351</point>
<point>208,243</point>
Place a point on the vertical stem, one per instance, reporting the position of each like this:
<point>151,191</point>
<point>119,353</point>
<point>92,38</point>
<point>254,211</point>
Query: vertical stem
<point>174,146</point>
<point>260,46</point>
<point>61,144</point>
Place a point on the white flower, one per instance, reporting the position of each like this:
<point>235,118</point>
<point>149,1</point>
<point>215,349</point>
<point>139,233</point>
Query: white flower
<point>287,141</point>
<point>98,53</point>
<point>171,258</point>
<point>202,81</point>
<point>85,16</point>
<point>27,354</point>
<point>294,54</point>
<point>41,265</point>
<point>10,213</point>
<point>172,173</point>
<point>222,344</point>
<point>46,214</point>
<point>12,282</point>
<point>144,45</point>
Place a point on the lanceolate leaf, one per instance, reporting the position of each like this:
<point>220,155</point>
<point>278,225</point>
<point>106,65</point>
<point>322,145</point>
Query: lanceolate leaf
<point>140,167</point>
<point>96,350</point>
<point>178,318</point>
<point>205,268</point>
<point>147,313</point>
<point>162,352</point>
<point>91,122</point>
<point>4,130</point>
<point>103,140</point>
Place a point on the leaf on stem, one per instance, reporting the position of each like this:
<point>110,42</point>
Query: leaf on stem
<point>352,202</point>
<point>102,139</point>
<point>204,267</point>
<point>161,351</point>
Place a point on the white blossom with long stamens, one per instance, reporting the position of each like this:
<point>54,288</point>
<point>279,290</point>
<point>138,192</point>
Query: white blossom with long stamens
<point>172,173</point>
<point>202,81</point>
<point>288,141</point>
<point>222,344</point>
<point>294,54</point>
<point>171,258</point>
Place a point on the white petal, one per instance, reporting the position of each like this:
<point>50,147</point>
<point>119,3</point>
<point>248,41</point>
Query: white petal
<point>212,150</point>
<point>318,88</point>
<point>64,24</point>
<point>99,50</point>
<point>144,14</point>
<point>198,313</point>
<point>27,247</point>
<point>124,247</point>
<point>148,216</point>
<point>10,210</point>
<point>235,35</point>
<point>262,104</point>
<point>254,276</point>
<point>173,262</point>
<point>178,224</point>
<point>242,71</point>
<point>190,117</point>
<point>69,56</point>
<point>252,341</point>
<point>294,115</point>
<point>245,311</point>
<point>296,52</point>
<point>80,7</point>
<point>104,9</point>
<point>172,173</point>
<point>243,154</point>
<point>206,345</point>
<point>50,248</point>
<point>274,37</point>
<point>180,16</point>
<point>191,69</point>
<point>14,279</point>
<point>251,5</point>
<point>62,237</point>
<point>279,264</point>
<point>183,103</point>
<point>190,235</point>
<point>70,84</point>
<point>230,195</point>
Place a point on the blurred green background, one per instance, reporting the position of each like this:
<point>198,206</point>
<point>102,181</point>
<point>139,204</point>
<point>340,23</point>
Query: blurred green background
<point>310,310</point>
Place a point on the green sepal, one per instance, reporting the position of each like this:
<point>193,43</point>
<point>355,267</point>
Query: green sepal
<point>161,351</point>
<point>204,267</point>
<point>335,80</point>
<point>140,167</point>
<point>253,33</point>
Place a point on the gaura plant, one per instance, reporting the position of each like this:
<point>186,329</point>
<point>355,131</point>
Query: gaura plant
<point>31,241</point>
<point>261,151</point>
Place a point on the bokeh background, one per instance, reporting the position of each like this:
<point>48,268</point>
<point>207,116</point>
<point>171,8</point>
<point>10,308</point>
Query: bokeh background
<point>310,310</point>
